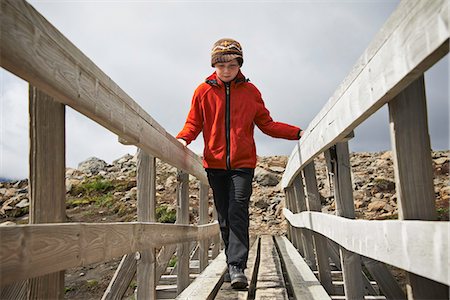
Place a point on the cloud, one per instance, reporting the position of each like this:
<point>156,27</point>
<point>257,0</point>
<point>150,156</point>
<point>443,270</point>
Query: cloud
<point>296,53</point>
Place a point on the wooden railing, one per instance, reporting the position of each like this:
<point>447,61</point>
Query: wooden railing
<point>390,72</point>
<point>59,74</point>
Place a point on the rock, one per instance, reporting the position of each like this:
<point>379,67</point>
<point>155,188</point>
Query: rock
<point>276,169</point>
<point>376,205</point>
<point>261,203</point>
<point>92,165</point>
<point>265,178</point>
<point>23,203</point>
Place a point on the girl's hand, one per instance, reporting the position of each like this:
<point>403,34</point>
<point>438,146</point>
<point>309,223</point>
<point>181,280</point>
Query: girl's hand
<point>183,142</point>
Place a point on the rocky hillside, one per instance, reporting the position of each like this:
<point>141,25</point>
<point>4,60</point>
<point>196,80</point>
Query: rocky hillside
<point>101,192</point>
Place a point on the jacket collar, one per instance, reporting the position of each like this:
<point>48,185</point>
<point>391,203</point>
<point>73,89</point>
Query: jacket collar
<point>214,80</point>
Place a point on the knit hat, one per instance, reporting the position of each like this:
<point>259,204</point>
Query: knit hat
<point>225,50</point>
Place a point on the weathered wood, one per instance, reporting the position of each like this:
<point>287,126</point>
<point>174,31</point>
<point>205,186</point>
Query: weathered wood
<point>389,249</point>
<point>413,172</point>
<point>306,236</point>
<point>270,283</point>
<point>32,250</point>
<point>16,291</point>
<point>163,259</point>
<point>204,219</point>
<point>227,292</point>
<point>216,239</point>
<point>343,194</point>
<point>406,47</point>
<point>146,211</point>
<point>302,280</point>
<point>386,282</point>
<point>183,252</point>
<point>293,233</point>
<point>320,242</point>
<point>36,51</point>
<point>121,279</point>
<point>334,251</point>
<point>47,178</point>
<point>206,285</point>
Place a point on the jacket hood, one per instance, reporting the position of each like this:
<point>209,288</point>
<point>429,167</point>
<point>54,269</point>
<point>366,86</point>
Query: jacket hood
<point>213,79</point>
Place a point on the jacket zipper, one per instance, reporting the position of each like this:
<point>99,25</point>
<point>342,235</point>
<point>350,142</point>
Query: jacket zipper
<point>227,123</point>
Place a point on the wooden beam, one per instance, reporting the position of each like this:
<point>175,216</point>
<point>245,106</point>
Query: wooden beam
<point>206,285</point>
<point>270,283</point>
<point>121,279</point>
<point>183,252</point>
<point>407,241</point>
<point>384,279</point>
<point>302,280</point>
<point>146,211</point>
<point>28,251</point>
<point>343,196</point>
<point>47,179</point>
<point>33,49</point>
<point>306,235</point>
<point>413,172</point>
<point>411,41</point>
<point>320,242</point>
<point>204,219</point>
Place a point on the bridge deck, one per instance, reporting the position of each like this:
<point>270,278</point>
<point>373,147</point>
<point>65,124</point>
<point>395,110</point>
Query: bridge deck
<point>275,270</point>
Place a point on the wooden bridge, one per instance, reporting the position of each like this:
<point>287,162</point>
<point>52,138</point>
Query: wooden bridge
<point>324,256</point>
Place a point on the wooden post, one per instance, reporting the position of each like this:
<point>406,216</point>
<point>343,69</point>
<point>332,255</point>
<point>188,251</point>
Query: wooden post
<point>217,239</point>
<point>182,218</point>
<point>413,173</point>
<point>320,242</point>
<point>204,219</point>
<point>339,159</point>
<point>146,210</point>
<point>288,192</point>
<point>47,185</point>
<point>305,234</point>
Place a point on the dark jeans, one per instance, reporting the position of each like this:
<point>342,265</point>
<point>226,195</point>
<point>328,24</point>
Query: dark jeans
<point>232,190</point>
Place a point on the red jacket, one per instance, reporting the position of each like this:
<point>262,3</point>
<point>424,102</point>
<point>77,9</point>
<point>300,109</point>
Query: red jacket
<point>227,118</point>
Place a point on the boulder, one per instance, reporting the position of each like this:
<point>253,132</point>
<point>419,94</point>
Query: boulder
<point>92,165</point>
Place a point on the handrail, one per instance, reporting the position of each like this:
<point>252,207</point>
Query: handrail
<point>379,240</point>
<point>33,49</point>
<point>396,57</point>
<point>33,250</point>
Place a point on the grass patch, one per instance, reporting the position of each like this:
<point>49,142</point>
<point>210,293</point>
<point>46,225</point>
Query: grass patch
<point>173,261</point>
<point>92,186</point>
<point>164,214</point>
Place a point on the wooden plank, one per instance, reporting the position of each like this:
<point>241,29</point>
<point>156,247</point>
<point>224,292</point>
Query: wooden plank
<point>306,235</point>
<point>121,279</point>
<point>31,48</point>
<point>320,242</point>
<point>270,283</point>
<point>16,291</point>
<point>302,279</point>
<point>292,233</point>
<point>204,219</point>
<point>413,171</point>
<point>424,242</point>
<point>216,239</point>
<point>47,178</point>
<point>146,211</point>
<point>227,292</point>
<point>32,250</point>
<point>206,285</point>
<point>386,282</point>
<point>183,252</point>
<point>343,196</point>
<point>406,48</point>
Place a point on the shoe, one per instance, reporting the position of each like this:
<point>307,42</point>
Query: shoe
<point>226,276</point>
<point>238,278</point>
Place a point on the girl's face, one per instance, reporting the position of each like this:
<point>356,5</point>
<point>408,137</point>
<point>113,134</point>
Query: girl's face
<point>227,71</point>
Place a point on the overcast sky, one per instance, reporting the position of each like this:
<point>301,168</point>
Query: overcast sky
<point>296,52</point>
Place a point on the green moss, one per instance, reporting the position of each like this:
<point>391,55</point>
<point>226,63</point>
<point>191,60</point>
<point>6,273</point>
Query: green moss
<point>164,214</point>
<point>92,186</point>
<point>173,261</point>
<point>91,283</point>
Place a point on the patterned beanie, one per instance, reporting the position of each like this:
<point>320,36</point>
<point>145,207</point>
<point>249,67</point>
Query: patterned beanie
<point>225,50</point>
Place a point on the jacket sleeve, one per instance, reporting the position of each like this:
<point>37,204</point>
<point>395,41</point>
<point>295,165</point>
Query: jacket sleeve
<point>275,129</point>
<point>194,121</point>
